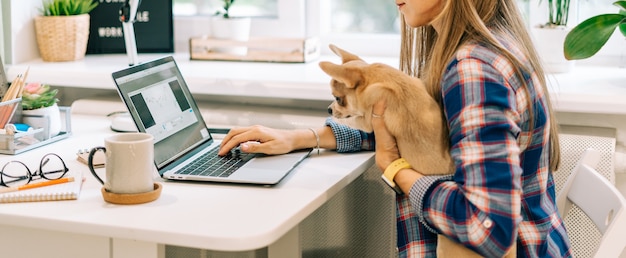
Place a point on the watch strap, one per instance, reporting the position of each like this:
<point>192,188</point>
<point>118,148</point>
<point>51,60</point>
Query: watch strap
<point>392,170</point>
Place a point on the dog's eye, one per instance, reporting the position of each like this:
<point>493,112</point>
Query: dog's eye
<point>339,100</point>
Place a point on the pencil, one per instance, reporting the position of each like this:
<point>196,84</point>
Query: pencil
<point>22,83</point>
<point>40,184</point>
<point>12,91</point>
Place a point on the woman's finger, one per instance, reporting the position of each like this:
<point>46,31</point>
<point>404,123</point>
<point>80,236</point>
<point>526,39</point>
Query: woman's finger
<point>386,147</point>
<point>235,137</point>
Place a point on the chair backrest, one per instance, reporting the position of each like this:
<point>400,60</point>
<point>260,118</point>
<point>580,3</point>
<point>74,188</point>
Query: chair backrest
<point>600,200</point>
<point>583,234</point>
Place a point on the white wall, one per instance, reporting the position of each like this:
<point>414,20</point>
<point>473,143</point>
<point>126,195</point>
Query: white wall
<point>1,32</point>
<point>19,30</point>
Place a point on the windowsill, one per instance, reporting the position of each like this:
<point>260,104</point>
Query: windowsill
<point>275,80</point>
<point>590,89</point>
<point>586,89</point>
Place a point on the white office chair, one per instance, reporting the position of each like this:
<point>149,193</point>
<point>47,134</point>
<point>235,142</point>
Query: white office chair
<point>583,234</point>
<point>600,200</point>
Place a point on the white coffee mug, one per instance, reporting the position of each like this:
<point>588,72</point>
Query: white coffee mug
<point>129,163</point>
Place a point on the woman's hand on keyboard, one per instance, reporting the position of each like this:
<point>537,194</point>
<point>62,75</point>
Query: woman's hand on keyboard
<point>258,139</point>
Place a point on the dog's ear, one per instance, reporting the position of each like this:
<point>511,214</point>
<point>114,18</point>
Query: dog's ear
<point>345,55</point>
<point>350,76</point>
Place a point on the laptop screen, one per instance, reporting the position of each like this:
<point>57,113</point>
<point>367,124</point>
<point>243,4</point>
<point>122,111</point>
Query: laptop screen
<point>160,103</point>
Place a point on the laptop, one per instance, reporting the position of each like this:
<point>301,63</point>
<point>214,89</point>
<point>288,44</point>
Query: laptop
<point>161,104</point>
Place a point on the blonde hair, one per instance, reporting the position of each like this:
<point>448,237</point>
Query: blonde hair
<point>473,20</point>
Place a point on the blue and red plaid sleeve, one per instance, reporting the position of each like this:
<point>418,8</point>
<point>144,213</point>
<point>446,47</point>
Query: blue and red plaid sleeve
<point>348,139</point>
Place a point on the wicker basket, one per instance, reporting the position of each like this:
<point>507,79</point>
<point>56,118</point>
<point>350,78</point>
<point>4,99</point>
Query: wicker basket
<point>62,38</point>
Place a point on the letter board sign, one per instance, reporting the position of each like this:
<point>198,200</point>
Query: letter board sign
<point>154,31</point>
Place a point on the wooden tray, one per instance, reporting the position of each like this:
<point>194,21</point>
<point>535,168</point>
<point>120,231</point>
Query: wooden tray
<point>285,50</point>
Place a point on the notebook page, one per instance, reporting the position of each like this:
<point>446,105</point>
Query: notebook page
<point>64,191</point>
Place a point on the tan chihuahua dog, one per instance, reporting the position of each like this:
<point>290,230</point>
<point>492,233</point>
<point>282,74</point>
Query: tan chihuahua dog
<point>412,116</point>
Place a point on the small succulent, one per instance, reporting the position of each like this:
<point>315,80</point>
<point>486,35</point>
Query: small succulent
<point>37,95</point>
<point>68,7</point>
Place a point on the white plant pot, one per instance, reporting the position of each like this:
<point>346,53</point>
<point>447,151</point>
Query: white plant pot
<point>48,118</point>
<point>549,45</point>
<point>236,29</point>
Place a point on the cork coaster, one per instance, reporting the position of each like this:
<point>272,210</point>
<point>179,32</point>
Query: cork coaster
<point>132,198</point>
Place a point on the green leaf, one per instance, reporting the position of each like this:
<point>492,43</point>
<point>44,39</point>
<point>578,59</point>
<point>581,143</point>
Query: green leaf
<point>622,10</point>
<point>621,4</point>
<point>68,7</point>
<point>588,37</point>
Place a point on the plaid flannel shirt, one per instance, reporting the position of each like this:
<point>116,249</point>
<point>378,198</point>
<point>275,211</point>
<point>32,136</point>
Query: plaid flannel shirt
<point>502,190</point>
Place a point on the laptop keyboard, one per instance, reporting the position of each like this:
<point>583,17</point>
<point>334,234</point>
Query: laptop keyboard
<point>211,164</point>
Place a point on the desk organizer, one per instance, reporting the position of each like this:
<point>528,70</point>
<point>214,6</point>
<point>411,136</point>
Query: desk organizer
<point>258,49</point>
<point>33,138</point>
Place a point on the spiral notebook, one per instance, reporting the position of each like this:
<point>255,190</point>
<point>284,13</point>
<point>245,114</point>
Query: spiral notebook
<point>59,192</point>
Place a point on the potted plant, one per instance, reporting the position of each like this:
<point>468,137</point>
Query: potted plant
<point>558,13</point>
<point>40,109</point>
<point>224,26</point>
<point>588,37</point>
<point>550,35</point>
<point>225,9</point>
<point>62,29</point>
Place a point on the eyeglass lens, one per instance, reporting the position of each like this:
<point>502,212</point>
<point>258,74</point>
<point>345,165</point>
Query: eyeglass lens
<point>51,167</point>
<point>15,173</point>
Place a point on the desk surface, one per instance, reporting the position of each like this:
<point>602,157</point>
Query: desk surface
<point>202,215</point>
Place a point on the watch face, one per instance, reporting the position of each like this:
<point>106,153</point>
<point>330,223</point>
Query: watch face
<point>397,190</point>
<point>392,184</point>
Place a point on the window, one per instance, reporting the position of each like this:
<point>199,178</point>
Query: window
<point>272,18</point>
<point>365,29</point>
<point>352,16</point>
<point>252,8</point>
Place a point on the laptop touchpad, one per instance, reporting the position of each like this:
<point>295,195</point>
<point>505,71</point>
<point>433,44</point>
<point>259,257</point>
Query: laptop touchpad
<point>273,162</point>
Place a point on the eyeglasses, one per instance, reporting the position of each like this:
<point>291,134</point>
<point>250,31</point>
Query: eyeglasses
<point>16,173</point>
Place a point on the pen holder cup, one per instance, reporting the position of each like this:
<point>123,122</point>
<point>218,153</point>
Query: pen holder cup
<point>7,110</point>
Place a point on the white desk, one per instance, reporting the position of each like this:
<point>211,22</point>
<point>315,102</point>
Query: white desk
<point>210,216</point>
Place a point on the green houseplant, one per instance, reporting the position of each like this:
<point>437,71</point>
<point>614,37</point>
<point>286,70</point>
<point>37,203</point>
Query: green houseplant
<point>62,29</point>
<point>588,37</point>
<point>558,13</point>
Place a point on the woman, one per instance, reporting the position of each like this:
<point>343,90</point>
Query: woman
<point>503,136</point>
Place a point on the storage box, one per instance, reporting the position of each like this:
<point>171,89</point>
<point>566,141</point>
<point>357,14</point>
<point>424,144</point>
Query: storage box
<point>7,110</point>
<point>36,137</point>
<point>283,50</point>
